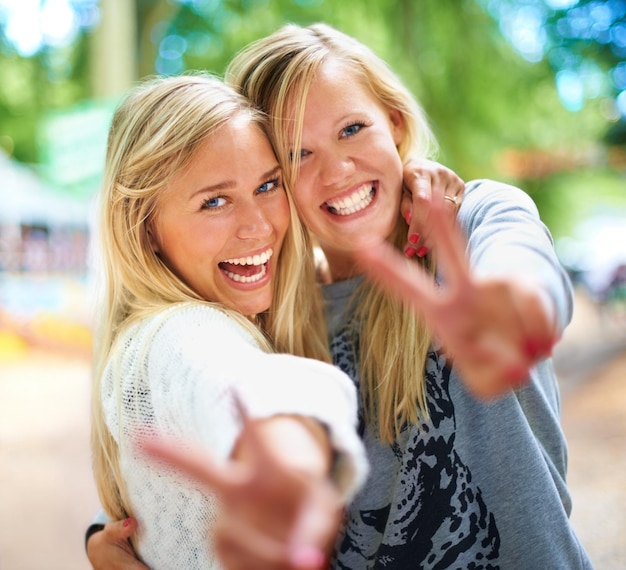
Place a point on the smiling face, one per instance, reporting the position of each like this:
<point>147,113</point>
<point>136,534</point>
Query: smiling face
<point>221,222</point>
<point>349,185</point>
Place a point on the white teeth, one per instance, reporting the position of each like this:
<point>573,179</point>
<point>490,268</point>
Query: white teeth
<point>247,279</point>
<point>258,259</point>
<point>355,202</point>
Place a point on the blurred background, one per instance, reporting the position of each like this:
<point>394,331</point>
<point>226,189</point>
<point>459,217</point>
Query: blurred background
<point>531,92</point>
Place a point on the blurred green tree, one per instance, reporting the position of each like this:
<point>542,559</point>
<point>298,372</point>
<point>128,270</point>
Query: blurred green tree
<point>44,64</point>
<point>584,44</point>
<point>451,54</point>
<point>495,113</point>
<point>496,77</point>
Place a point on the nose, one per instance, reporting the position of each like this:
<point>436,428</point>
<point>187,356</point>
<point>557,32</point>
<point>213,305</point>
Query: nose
<point>334,166</point>
<point>254,222</point>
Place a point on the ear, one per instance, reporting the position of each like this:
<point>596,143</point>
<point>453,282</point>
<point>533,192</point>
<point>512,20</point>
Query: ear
<point>397,125</point>
<point>154,242</point>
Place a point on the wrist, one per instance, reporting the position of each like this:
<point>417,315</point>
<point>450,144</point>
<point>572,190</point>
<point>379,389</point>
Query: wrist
<point>91,530</point>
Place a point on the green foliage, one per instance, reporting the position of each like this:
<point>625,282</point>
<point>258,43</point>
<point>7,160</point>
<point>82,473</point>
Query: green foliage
<point>19,104</point>
<point>215,30</point>
<point>53,78</point>
<point>573,196</point>
<point>583,41</point>
<point>482,97</point>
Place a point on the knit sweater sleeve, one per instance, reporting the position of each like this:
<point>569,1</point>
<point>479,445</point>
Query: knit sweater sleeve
<point>507,237</point>
<point>195,357</point>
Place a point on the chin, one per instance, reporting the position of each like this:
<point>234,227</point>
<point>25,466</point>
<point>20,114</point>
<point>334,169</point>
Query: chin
<point>252,309</point>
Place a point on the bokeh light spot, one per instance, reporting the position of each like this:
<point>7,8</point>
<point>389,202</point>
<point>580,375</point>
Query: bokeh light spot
<point>621,103</point>
<point>571,90</point>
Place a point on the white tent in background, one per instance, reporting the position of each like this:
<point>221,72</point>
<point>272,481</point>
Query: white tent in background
<point>26,199</point>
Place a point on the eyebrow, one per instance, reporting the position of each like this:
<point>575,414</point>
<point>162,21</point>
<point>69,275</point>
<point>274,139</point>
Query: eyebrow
<point>231,183</point>
<point>349,116</point>
<point>272,172</point>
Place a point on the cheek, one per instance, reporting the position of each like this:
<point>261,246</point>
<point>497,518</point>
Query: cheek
<point>406,205</point>
<point>282,218</point>
<point>397,182</point>
<point>307,215</point>
<point>304,190</point>
<point>394,194</point>
<point>303,204</point>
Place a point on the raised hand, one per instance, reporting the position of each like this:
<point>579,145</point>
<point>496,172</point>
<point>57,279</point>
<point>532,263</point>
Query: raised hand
<point>424,179</point>
<point>276,514</point>
<point>495,329</point>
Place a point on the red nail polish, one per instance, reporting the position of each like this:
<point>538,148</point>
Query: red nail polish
<point>409,251</point>
<point>422,251</point>
<point>531,348</point>
<point>126,522</point>
<point>537,349</point>
<point>407,217</point>
<point>414,238</point>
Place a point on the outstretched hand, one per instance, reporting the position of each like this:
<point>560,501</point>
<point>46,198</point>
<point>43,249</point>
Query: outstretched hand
<point>494,329</point>
<point>274,516</point>
<point>425,181</point>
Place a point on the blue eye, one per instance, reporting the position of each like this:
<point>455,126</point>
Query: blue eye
<point>213,203</point>
<point>269,186</point>
<point>266,187</point>
<point>352,130</point>
<point>303,154</point>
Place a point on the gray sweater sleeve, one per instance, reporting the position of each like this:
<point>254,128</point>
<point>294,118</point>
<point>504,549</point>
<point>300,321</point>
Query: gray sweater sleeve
<point>507,237</point>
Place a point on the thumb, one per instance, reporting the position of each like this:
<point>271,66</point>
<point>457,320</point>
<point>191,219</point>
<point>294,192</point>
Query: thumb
<point>306,557</point>
<point>315,528</point>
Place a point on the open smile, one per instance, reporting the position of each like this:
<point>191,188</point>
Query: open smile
<point>249,269</point>
<point>358,200</point>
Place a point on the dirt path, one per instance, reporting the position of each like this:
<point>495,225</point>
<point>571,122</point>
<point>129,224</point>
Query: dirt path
<point>591,364</point>
<point>47,496</point>
<point>594,421</point>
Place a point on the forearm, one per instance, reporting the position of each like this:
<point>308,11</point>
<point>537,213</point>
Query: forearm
<point>110,549</point>
<point>97,524</point>
<point>507,239</point>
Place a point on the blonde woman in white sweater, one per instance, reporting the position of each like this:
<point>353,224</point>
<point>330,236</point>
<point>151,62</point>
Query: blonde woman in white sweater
<point>198,238</point>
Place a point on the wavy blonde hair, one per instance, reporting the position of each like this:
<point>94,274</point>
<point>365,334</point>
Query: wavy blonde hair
<point>275,74</point>
<point>154,134</point>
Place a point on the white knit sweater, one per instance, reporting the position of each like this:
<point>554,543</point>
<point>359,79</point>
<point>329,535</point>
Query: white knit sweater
<point>172,374</point>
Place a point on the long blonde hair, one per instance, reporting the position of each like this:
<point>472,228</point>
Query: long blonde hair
<point>154,134</point>
<point>275,74</point>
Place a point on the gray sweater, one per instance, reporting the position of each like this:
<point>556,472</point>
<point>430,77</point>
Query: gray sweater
<point>481,485</point>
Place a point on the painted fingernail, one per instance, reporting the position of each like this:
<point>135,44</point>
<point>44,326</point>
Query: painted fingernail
<point>126,522</point>
<point>409,251</point>
<point>407,217</point>
<point>531,348</point>
<point>307,557</point>
<point>536,349</point>
<point>414,238</point>
<point>422,251</point>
